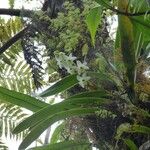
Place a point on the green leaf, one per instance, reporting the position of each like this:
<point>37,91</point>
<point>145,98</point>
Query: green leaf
<point>11,3</point>
<point>126,127</point>
<point>140,6</point>
<point>104,3</point>
<point>61,86</point>
<point>142,25</point>
<point>142,38</point>
<point>21,100</point>
<point>140,129</point>
<point>67,104</point>
<point>85,49</point>
<point>6,59</point>
<point>94,94</point>
<point>66,145</point>
<point>93,20</point>
<point>40,127</point>
<point>127,49</point>
<point>56,134</point>
<point>101,76</point>
<point>130,144</point>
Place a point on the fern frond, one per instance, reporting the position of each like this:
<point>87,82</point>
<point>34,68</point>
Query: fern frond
<point>17,77</point>
<point>7,30</point>
<point>10,116</point>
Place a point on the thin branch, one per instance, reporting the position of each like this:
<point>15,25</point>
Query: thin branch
<point>16,12</point>
<point>12,41</point>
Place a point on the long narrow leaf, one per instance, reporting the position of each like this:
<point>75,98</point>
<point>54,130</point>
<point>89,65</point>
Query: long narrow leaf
<point>142,25</point>
<point>128,128</point>
<point>46,112</point>
<point>21,100</point>
<point>94,94</point>
<point>39,128</point>
<point>127,48</point>
<point>130,144</point>
<point>61,86</point>
<point>64,146</point>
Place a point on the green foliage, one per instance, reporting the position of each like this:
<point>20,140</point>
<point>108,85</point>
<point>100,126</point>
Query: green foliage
<point>60,86</point>
<point>56,108</point>
<point>71,36</point>
<point>126,127</point>
<point>140,6</point>
<point>17,77</point>
<point>10,116</point>
<point>67,145</point>
<point>21,100</point>
<point>11,3</point>
<point>104,3</point>
<point>130,144</point>
<point>56,112</point>
<point>69,26</point>
<point>37,130</point>
<point>93,20</point>
<point>115,99</point>
<point>7,30</point>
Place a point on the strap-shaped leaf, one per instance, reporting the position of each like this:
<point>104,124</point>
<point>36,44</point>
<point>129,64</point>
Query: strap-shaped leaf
<point>142,38</point>
<point>99,75</point>
<point>130,144</point>
<point>102,76</point>
<point>144,21</point>
<point>127,48</point>
<point>140,6</point>
<point>68,104</point>
<point>40,127</point>
<point>142,25</point>
<point>93,20</point>
<point>126,127</point>
<point>92,94</point>
<point>61,86</point>
<point>66,145</point>
<point>21,100</point>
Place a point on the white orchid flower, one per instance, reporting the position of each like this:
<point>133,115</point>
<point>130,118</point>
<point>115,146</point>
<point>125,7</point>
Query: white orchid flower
<point>83,79</point>
<point>81,67</point>
<point>71,57</point>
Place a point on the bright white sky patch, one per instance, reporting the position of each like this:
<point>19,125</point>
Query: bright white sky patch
<point>3,3</point>
<point>21,4</point>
